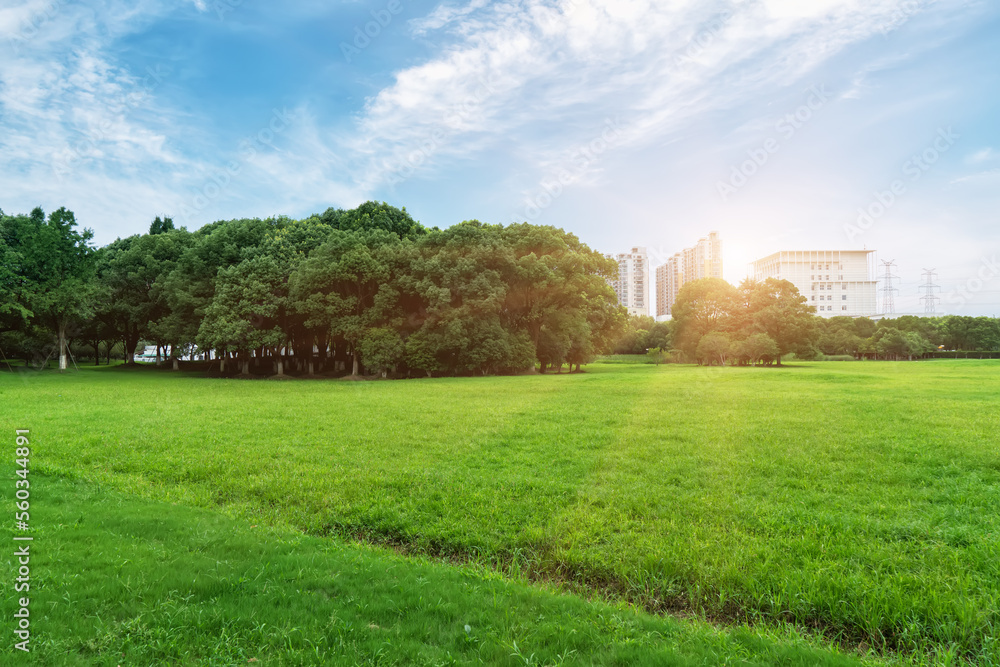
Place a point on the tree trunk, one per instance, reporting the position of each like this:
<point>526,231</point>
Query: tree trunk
<point>281,365</point>
<point>62,348</point>
<point>354,372</point>
<point>312,368</point>
<point>176,364</point>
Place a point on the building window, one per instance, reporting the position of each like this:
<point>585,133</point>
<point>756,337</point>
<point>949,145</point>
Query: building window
<point>844,286</point>
<point>843,297</point>
<point>843,307</point>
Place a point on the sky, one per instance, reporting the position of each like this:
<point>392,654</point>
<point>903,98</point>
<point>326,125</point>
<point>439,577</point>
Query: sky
<point>781,124</point>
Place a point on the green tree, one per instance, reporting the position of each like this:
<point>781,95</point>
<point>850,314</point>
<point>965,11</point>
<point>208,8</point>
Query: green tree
<point>336,288</point>
<point>372,216</point>
<point>55,271</point>
<point>15,288</point>
<point>130,273</point>
<point>777,309</point>
<point>703,306</point>
<point>713,347</point>
<point>159,226</point>
<point>756,348</point>
<point>382,348</point>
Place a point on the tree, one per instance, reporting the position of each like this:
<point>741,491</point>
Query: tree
<point>756,348</point>
<point>56,271</point>
<point>189,288</point>
<point>131,298</point>
<point>336,287</point>
<point>777,309</point>
<point>703,306</point>
<point>656,355</point>
<point>713,346</point>
<point>14,285</point>
<point>161,226</point>
<point>382,348</point>
<point>374,216</point>
<point>247,309</point>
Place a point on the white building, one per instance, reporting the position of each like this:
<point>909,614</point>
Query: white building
<point>632,285</point>
<point>836,282</point>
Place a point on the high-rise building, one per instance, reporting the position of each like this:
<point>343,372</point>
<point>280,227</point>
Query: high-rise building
<point>632,285</point>
<point>669,278</point>
<point>837,282</point>
<point>703,260</point>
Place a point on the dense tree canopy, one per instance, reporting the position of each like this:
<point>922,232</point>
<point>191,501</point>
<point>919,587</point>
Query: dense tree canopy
<point>51,286</point>
<point>714,321</point>
<point>342,291</point>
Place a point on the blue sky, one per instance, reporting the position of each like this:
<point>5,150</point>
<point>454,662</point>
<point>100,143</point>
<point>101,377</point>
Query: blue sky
<point>775,122</point>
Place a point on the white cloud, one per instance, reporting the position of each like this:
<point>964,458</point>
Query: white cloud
<point>540,77</point>
<point>980,156</point>
<point>537,79</point>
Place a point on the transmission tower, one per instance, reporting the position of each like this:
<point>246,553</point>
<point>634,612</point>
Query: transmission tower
<point>928,288</point>
<point>888,291</point>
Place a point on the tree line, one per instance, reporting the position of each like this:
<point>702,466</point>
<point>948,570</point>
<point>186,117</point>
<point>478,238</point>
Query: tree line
<point>362,290</point>
<point>717,323</point>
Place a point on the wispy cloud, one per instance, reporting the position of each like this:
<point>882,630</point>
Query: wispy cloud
<point>535,79</point>
<point>981,156</point>
<point>556,70</point>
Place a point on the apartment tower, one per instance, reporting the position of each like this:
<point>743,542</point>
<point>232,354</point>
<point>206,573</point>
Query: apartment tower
<point>632,285</point>
<point>703,260</point>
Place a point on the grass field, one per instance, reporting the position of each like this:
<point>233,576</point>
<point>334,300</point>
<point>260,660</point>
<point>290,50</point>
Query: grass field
<point>857,502</point>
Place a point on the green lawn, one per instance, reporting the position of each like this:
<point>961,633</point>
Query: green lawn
<point>861,500</point>
<point>122,581</point>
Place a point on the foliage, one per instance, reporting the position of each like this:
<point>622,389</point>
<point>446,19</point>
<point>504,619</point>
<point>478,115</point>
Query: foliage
<point>52,287</point>
<point>714,347</point>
